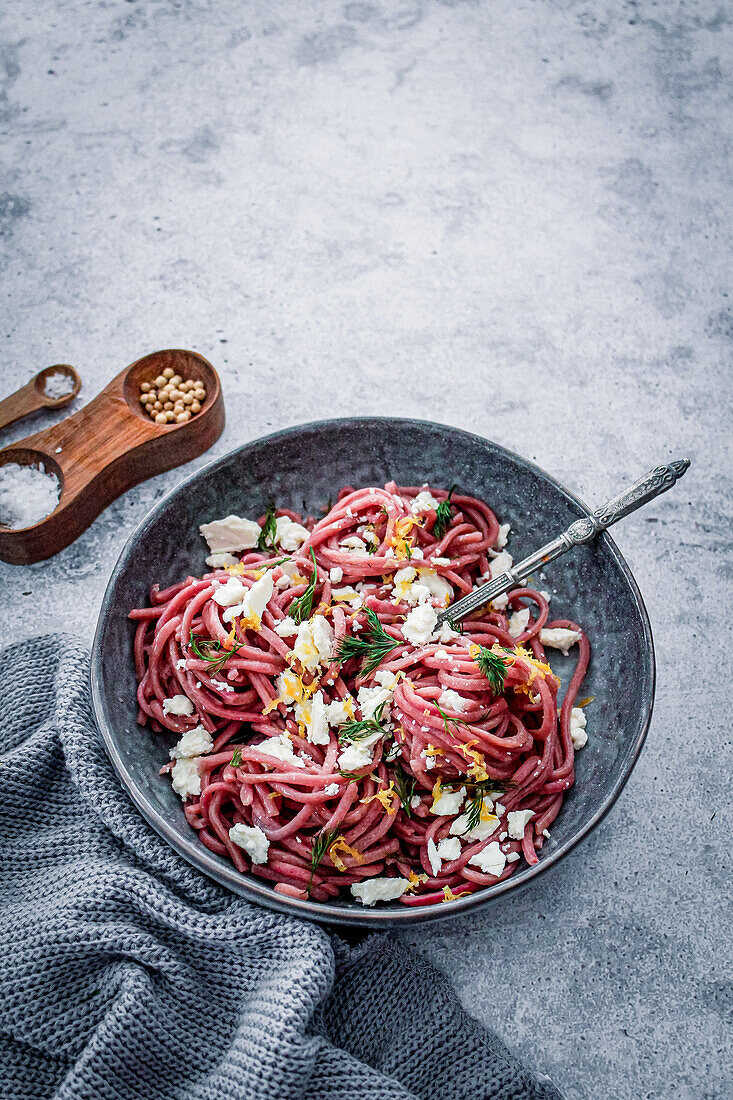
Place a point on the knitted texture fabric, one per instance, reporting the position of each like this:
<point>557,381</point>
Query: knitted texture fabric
<point>128,974</point>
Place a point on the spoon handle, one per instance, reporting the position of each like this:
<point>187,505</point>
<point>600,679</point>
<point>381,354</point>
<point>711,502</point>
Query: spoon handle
<point>651,485</point>
<point>19,404</point>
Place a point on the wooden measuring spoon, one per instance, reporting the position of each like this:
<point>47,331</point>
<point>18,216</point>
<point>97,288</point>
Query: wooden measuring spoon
<point>108,446</point>
<point>33,396</point>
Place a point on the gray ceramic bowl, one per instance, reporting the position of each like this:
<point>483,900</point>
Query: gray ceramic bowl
<point>302,468</point>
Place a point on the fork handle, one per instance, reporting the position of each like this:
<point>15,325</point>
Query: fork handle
<point>651,485</point>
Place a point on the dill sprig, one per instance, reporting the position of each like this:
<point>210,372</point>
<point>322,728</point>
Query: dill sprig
<point>321,843</point>
<point>443,515</point>
<point>373,645</point>
<point>473,809</point>
<point>493,667</point>
<point>357,731</point>
<point>404,784</point>
<point>236,759</point>
<point>301,608</point>
<point>266,537</point>
<point>212,651</point>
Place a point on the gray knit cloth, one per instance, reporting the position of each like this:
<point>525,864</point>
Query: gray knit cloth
<point>126,973</point>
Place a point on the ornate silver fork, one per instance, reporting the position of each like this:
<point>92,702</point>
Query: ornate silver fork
<point>651,485</point>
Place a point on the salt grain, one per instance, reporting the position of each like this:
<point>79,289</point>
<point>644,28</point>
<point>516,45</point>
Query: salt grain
<point>27,495</point>
<point>59,384</point>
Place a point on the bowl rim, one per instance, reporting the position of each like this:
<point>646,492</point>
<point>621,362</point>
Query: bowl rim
<point>332,913</point>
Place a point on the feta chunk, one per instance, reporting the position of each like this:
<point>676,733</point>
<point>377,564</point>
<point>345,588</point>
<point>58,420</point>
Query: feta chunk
<point>220,561</point>
<point>512,857</point>
<point>559,637</point>
<point>193,743</point>
<point>337,714</point>
<point>281,747</point>
<point>252,839</point>
<point>438,587</point>
<point>423,502</point>
<point>518,622</point>
<point>372,890</point>
<point>420,624</point>
<point>500,564</point>
<point>288,628</point>
<point>336,574</point>
<point>312,714</point>
<point>353,543</point>
<point>449,848</point>
<point>314,642</point>
<point>290,535</point>
<point>517,821</point>
<point>451,700</point>
<point>178,704</point>
<point>371,698</point>
<point>229,593</point>
<point>447,633</point>
<point>503,537</point>
<point>448,803</point>
<point>433,858</point>
<point>231,533</point>
<point>185,777</point>
<point>355,756</point>
<point>332,789</point>
<point>487,824</point>
<point>253,603</point>
<point>491,860</point>
<point>578,720</point>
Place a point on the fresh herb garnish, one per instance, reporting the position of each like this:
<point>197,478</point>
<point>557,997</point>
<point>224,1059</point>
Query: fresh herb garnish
<point>404,784</point>
<point>373,646</point>
<point>473,809</point>
<point>266,538</point>
<point>458,627</point>
<point>443,515</point>
<point>321,844</point>
<point>493,667</point>
<point>212,651</point>
<point>301,608</point>
<point>357,731</point>
<point>236,759</point>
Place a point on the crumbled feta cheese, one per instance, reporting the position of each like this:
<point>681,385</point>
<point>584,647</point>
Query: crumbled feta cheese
<point>438,587</point>
<point>336,574</point>
<point>252,839</point>
<point>433,858</point>
<point>231,533</point>
<point>449,803</point>
<point>290,535</point>
<point>441,655</point>
<point>447,633</point>
<point>332,789</point>
<point>452,700</point>
<point>417,553</point>
<point>253,604</point>
<point>499,808</point>
<point>512,857</point>
<point>449,848</point>
<point>488,823</point>
<point>287,628</point>
<point>193,743</point>
<point>220,561</point>
<point>370,698</point>
<point>314,642</point>
<point>185,777</point>
<point>281,747</point>
<point>182,664</point>
<point>312,714</point>
<point>559,637</point>
<point>336,713</point>
<point>347,595</point>
<point>491,860</point>
<point>517,821</point>
<point>386,679</point>
<point>500,564</point>
<point>578,720</point>
<point>503,537</point>
<point>178,704</point>
<point>353,543</point>
<point>420,624</point>
<point>389,552</point>
<point>440,561</point>
<point>372,890</point>
<point>229,593</point>
<point>415,801</point>
<point>429,761</point>
<point>221,685</point>
<point>518,622</point>
<point>546,834</point>
<point>355,756</point>
<point>423,502</point>
<point>289,688</point>
<point>547,595</point>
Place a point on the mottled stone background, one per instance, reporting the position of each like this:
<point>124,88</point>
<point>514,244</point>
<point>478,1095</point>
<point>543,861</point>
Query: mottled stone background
<point>510,216</point>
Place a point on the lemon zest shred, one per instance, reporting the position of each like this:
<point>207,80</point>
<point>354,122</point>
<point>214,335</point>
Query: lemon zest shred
<point>414,881</point>
<point>448,894</point>
<point>340,845</point>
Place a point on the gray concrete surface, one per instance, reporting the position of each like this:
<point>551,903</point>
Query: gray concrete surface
<point>509,216</point>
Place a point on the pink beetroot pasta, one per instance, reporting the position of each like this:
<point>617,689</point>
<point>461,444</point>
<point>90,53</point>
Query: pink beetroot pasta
<point>330,737</point>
